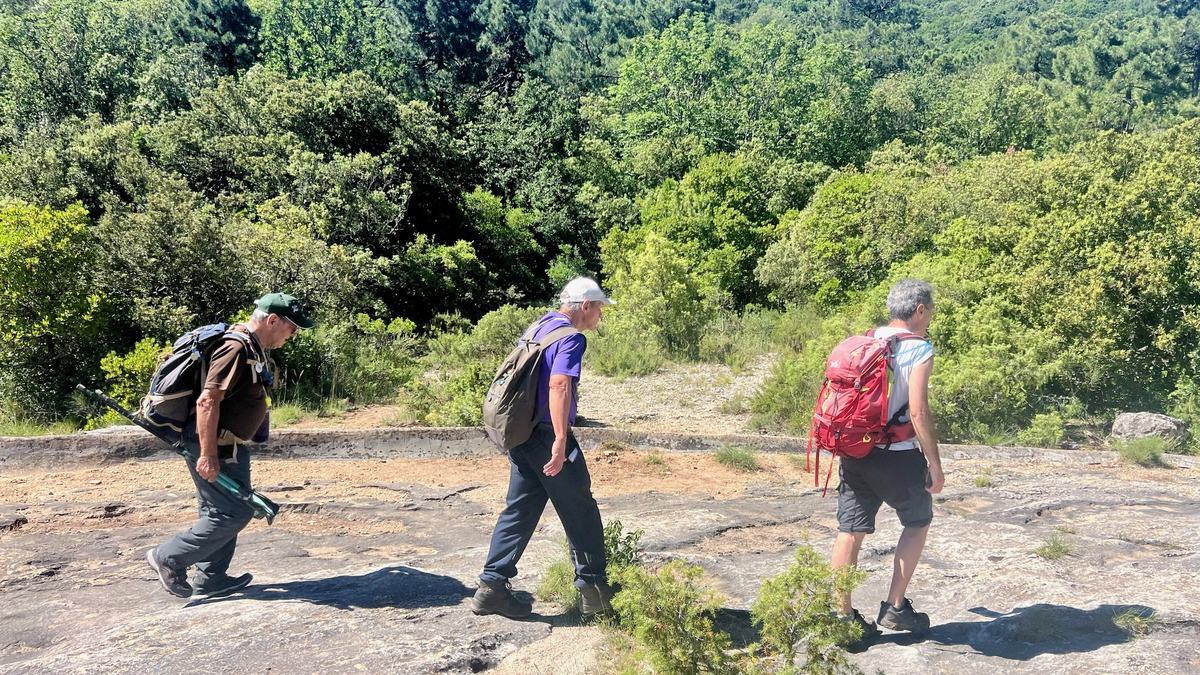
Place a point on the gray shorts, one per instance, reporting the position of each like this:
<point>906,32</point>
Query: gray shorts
<point>895,477</point>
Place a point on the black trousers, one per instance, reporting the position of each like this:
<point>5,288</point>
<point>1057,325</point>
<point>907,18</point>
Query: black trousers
<point>528,491</point>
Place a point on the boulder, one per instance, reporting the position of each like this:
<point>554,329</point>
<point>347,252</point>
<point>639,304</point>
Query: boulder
<point>1129,426</point>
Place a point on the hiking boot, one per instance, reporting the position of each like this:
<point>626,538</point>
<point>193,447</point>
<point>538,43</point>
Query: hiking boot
<point>172,580</point>
<point>223,585</point>
<point>489,600</point>
<point>903,617</point>
<point>869,632</point>
<point>595,598</point>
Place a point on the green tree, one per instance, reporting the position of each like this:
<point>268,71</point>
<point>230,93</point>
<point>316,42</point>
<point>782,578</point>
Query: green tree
<point>52,317</point>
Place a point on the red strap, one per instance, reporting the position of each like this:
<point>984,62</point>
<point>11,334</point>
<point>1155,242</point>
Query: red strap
<point>827,475</point>
<point>808,453</point>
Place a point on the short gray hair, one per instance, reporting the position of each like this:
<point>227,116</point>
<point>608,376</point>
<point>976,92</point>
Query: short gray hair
<point>577,304</point>
<point>905,295</point>
<point>259,316</point>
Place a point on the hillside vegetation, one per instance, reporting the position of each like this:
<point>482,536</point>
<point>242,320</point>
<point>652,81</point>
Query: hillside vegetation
<point>747,178</point>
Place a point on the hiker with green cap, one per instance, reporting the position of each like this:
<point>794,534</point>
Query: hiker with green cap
<point>229,412</point>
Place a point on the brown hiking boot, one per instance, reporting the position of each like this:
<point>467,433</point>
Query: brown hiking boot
<point>595,598</point>
<point>489,600</point>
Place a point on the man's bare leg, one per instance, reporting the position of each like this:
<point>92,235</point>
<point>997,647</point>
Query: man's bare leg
<point>908,552</point>
<point>845,552</point>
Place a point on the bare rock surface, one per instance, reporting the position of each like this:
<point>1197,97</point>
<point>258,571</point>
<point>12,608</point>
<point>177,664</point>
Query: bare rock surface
<point>370,565</point>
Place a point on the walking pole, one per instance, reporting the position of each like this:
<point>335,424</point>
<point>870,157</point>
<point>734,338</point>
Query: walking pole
<point>263,507</point>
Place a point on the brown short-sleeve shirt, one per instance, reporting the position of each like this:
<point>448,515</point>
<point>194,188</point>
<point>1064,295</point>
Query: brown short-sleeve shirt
<point>245,404</point>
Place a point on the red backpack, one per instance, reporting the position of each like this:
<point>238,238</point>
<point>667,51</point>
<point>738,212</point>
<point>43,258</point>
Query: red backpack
<point>851,415</point>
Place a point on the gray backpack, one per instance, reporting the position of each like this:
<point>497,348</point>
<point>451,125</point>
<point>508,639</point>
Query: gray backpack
<point>511,402</point>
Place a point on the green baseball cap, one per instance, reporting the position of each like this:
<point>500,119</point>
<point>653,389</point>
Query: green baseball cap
<point>285,306</point>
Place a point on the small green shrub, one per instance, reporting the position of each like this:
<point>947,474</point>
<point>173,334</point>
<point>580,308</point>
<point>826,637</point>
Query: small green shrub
<point>287,414</point>
<point>1046,431</point>
<point>793,330</point>
<point>1137,623</point>
<point>1147,452</point>
<point>624,354</point>
<point>127,378</point>
<point>670,614</point>
<point>984,482</point>
<point>735,340</point>
<point>559,583</point>
<point>622,549</point>
<point>735,405</point>
<point>737,457</point>
<point>800,606</point>
<point>655,460</point>
<point>461,364</point>
<point>1055,548</point>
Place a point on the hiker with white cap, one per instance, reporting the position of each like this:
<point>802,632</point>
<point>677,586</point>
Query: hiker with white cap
<point>549,466</point>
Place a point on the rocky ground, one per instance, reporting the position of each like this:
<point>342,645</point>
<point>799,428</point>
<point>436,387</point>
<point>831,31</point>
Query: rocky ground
<point>370,564</point>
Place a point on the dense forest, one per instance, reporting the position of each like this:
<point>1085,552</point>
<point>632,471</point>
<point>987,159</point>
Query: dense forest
<point>747,177</point>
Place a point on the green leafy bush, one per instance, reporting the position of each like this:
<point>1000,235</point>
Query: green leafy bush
<point>624,354</point>
<point>622,549</point>
<point>52,315</point>
<point>127,378</point>
<point>461,364</point>
<point>1046,431</point>
<point>670,613</point>
<point>800,605</point>
<point>1147,452</point>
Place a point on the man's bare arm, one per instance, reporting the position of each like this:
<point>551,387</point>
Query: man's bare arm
<point>208,414</point>
<point>922,420</point>
<point>560,411</point>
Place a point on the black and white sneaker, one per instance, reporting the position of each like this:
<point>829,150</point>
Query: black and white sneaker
<point>223,585</point>
<point>903,617</point>
<point>172,580</point>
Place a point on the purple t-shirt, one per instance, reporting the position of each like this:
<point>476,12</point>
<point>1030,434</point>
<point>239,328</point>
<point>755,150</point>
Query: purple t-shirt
<point>564,357</point>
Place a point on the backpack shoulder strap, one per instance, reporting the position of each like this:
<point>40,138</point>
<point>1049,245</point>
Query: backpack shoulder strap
<point>556,335</point>
<point>250,348</point>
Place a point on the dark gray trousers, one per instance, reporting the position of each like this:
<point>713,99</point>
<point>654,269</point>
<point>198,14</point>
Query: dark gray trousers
<point>528,491</point>
<point>210,542</point>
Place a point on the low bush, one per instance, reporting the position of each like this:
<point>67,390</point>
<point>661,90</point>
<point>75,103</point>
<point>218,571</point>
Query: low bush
<point>1147,452</point>
<point>738,458</point>
<point>1055,548</point>
<point>1046,431</point>
<point>624,354</point>
<point>800,607</point>
<point>671,613</point>
<point>622,549</point>
<point>460,364</point>
<point>1137,623</point>
<point>361,359</point>
<point>127,378</point>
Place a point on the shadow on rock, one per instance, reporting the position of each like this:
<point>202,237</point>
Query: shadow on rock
<point>395,586</point>
<point>1031,631</point>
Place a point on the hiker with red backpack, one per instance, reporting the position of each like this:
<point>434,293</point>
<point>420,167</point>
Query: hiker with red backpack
<point>528,412</point>
<point>873,413</point>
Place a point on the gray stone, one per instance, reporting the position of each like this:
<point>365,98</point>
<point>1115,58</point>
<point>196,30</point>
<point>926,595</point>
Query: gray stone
<point>1129,426</point>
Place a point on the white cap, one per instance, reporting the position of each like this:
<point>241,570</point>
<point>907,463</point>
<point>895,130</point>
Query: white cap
<point>581,289</point>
